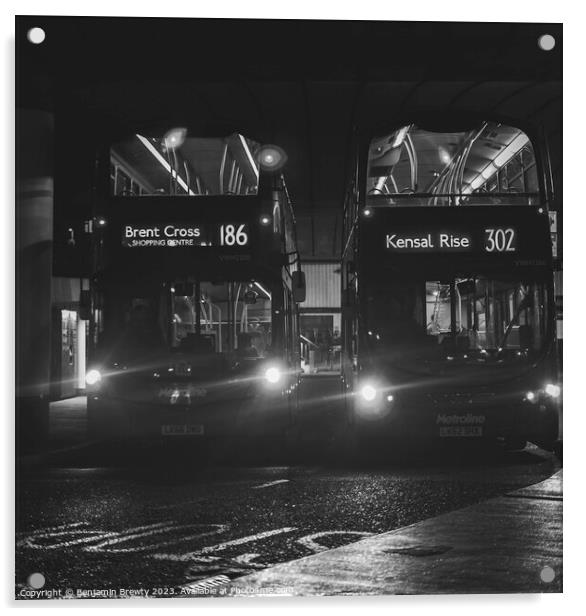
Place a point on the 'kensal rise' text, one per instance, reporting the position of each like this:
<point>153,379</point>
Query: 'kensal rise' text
<point>427,242</point>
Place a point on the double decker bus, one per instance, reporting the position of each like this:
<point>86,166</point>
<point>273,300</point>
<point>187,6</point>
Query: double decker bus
<point>447,282</point>
<point>192,304</point>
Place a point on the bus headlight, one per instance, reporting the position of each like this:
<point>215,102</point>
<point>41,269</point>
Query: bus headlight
<point>93,377</point>
<point>368,392</point>
<point>273,375</point>
<point>552,390</point>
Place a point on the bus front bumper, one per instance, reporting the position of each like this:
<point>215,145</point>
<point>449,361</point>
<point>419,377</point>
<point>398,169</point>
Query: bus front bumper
<point>436,416</point>
<point>261,415</point>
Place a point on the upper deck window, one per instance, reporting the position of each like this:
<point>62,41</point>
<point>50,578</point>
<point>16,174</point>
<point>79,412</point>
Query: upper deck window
<point>491,164</point>
<point>179,165</point>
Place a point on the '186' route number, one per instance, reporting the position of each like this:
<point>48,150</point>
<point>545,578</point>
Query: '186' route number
<point>230,235</point>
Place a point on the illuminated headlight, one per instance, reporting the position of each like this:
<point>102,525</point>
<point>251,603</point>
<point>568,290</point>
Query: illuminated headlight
<point>553,391</point>
<point>368,392</point>
<point>530,395</point>
<point>273,375</point>
<point>93,377</point>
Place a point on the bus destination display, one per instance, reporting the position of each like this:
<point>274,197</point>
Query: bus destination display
<point>493,240</point>
<point>173,235</point>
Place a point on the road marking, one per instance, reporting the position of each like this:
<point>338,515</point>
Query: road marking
<point>72,530</point>
<point>147,531</point>
<point>206,567</point>
<point>49,529</point>
<point>223,546</point>
<point>79,535</point>
<point>246,559</point>
<point>271,483</point>
<point>200,587</point>
<point>83,535</point>
<point>309,541</point>
<point>249,539</point>
<point>204,564</point>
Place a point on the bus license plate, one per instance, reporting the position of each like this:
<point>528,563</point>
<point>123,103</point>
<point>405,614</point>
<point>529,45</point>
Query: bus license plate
<point>460,431</point>
<point>182,430</point>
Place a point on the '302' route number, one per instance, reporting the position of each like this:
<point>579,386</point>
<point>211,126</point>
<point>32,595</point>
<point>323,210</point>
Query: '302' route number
<point>500,240</point>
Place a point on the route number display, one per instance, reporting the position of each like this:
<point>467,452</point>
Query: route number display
<point>482,239</point>
<point>231,235</point>
<point>500,239</point>
<point>185,235</point>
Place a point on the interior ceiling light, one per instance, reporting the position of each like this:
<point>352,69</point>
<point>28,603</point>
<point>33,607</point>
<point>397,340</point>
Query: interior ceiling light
<point>249,157</point>
<point>445,156</point>
<point>271,157</point>
<point>151,148</point>
<point>400,136</point>
<point>500,160</point>
<point>174,138</point>
<point>256,284</point>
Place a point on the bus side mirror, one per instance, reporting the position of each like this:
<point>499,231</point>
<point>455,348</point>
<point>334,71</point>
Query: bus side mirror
<point>298,279</point>
<point>85,305</point>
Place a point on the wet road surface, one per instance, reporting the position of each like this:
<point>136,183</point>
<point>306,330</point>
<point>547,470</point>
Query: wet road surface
<point>151,521</point>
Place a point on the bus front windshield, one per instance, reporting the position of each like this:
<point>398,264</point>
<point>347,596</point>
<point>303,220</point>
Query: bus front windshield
<point>491,163</point>
<point>181,165</point>
<point>195,318</point>
<point>435,324</point>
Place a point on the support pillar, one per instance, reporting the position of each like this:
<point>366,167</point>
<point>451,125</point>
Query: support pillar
<point>34,240</point>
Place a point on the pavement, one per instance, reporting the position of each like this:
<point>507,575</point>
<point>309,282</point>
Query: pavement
<point>67,431</point>
<point>509,544</point>
<point>67,422</point>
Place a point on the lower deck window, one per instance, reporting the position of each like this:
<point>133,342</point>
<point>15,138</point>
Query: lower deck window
<point>195,317</point>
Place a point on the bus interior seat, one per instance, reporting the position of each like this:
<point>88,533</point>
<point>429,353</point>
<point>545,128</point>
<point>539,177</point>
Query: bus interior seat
<point>198,344</point>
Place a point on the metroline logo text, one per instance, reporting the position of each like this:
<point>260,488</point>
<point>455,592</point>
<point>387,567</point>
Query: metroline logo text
<point>467,420</point>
